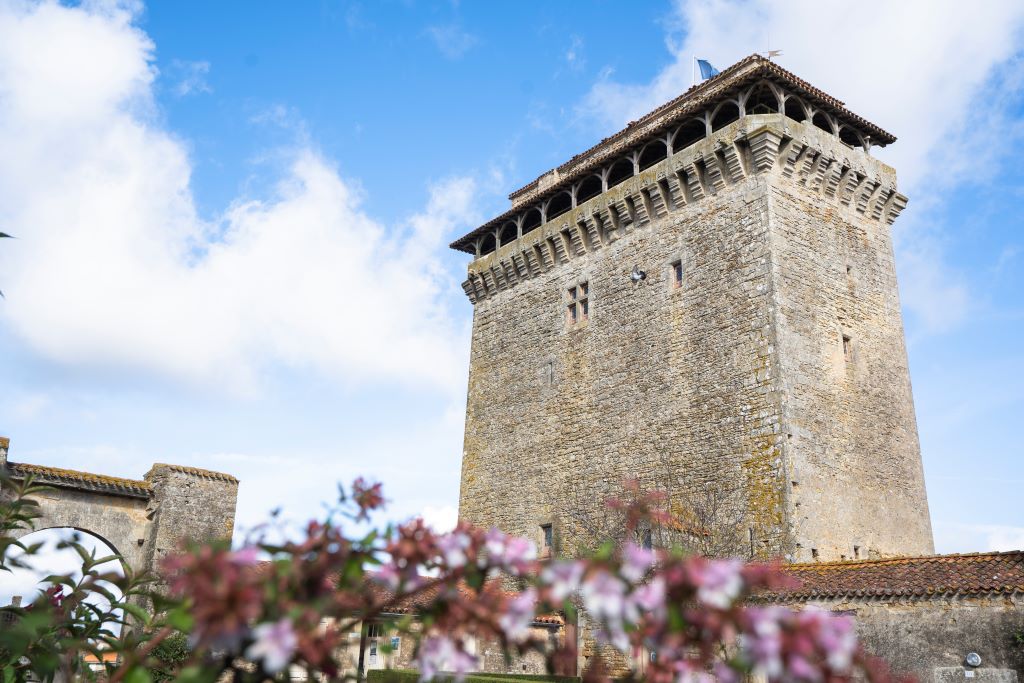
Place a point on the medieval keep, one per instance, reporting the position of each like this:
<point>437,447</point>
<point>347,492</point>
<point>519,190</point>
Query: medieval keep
<point>704,300</point>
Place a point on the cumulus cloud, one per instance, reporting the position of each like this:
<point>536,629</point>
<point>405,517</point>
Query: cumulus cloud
<point>114,266</point>
<point>923,69</point>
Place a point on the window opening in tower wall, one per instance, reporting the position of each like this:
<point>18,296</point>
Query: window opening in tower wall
<point>847,349</point>
<point>677,274</point>
<point>578,309</point>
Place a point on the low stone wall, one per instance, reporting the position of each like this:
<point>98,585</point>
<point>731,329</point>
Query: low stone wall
<point>931,638</point>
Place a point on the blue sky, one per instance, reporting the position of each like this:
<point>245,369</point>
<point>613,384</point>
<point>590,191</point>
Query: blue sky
<point>232,221</point>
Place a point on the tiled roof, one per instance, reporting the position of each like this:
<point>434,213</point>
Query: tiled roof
<point>913,577</point>
<point>671,114</point>
<point>705,92</point>
<point>424,598</point>
<point>206,474</point>
<point>55,476</point>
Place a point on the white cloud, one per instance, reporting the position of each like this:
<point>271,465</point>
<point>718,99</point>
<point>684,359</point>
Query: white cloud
<point>923,70</point>
<point>114,268</point>
<point>25,407</point>
<point>441,518</point>
<point>574,54</point>
<point>954,537</point>
<point>190,77</point>
<point>452,40</point>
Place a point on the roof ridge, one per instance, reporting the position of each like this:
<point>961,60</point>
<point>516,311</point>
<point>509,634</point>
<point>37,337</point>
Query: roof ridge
<point>844,564</point>
<point>198,471</point>
<point>78,475</point>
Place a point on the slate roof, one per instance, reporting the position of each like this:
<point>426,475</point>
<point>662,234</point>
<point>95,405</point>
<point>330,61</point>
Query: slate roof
<point>996,573</point>
<point>55,476</point>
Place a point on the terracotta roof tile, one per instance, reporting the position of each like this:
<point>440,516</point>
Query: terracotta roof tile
<point>412,606</point>
<point>671,114</point>
<point>55,476</point>
<point>205,474</point>
<point>921,577</point>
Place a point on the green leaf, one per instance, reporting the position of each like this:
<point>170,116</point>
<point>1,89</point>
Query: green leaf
<point>138,674</point>
<point>136,611</point>
<point>196,674</point>
<point>181,620</point>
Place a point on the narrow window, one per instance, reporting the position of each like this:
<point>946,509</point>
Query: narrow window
<point>677,274</point>
<point>578,308</point>
<point>847,349</point>
<point>646,540</point>
<point>856,552</point>
<point>814,553</point>
<point>548,536</point>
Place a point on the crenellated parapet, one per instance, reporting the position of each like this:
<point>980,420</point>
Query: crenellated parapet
<point>773,146</point>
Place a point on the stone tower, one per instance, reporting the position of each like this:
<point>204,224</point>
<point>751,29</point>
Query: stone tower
<point>705,300</point>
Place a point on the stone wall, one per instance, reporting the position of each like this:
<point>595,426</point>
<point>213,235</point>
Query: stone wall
<point>856,484</point>
<point>930,638</point>
<point>730,381</point>
<point>142,520</point>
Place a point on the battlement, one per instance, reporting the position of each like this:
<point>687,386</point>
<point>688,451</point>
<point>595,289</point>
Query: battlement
<point>794,152</point>
<point>750,87</point>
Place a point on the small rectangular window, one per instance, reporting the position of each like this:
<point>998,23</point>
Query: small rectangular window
<point>374,630</point>
<point>677,274</point>
<point>548,535</point>
<point>847,349</point>
<point>578,309</point>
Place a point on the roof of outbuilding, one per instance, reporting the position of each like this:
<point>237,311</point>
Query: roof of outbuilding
<point>430,594</point>
<point>672,113</point>
<point>56,476</point>
<point>992,573</point>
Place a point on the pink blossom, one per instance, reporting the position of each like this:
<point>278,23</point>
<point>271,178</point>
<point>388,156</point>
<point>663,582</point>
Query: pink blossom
<point>494,542</point>
<point>274,643</point>
<point>604,597</point>
<point>636,561</point>
<point>719,582</point>
<point>763,644</point>
<point>440,653</point>
<point>519,614</point>
<point>802,669</point>
<point>647,599</point>
<point>687,672</point>
<point>389,576</point>
<point>247,556</point>
<point>562,579</point>
<point>453,547</point>
<point>512,553</point>
<point>835,635</point>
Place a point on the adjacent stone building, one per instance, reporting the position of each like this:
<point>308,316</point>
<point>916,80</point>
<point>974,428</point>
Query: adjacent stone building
<point>142,520</point>
<point>926,615</point>
<point>705,300</point>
